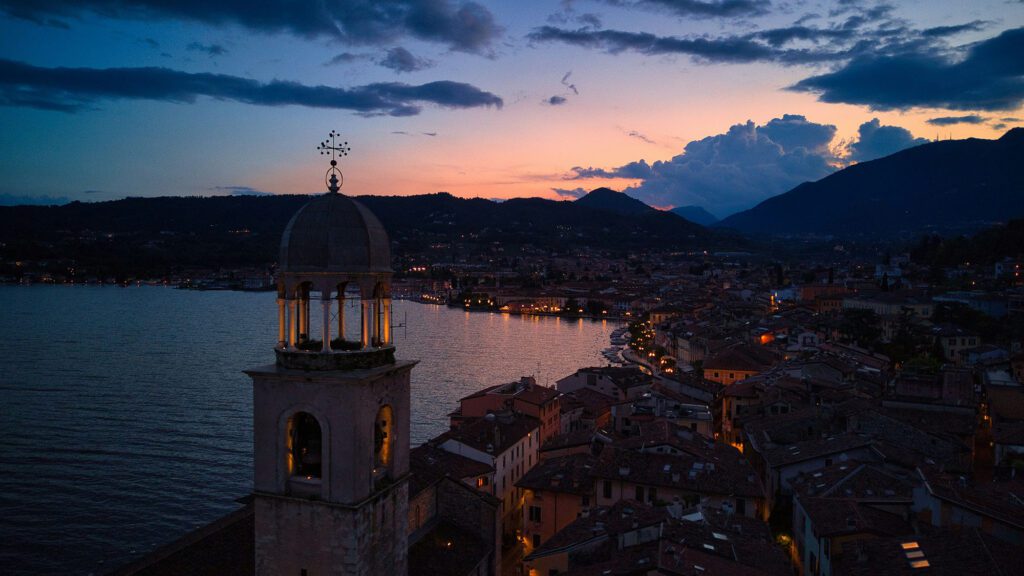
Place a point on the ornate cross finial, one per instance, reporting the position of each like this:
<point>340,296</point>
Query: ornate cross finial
<point>334,178</point>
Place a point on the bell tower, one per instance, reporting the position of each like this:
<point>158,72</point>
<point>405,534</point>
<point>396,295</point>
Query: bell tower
<point>331,415</point>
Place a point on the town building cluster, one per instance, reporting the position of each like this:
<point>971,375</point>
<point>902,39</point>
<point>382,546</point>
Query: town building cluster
<point>854,426</point>
<point>750,419</point>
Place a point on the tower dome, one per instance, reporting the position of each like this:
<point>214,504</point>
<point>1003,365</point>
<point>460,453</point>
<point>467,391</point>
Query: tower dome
<point>336,251</point>
<point>334,233</point>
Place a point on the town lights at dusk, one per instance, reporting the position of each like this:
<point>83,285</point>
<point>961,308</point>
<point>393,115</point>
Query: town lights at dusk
<point>480,288</point>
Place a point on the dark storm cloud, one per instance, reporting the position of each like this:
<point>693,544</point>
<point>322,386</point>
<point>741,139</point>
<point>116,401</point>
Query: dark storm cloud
<point>588,19</point>
<point>882,60</point>
<point>733,49</point>
<point>951,120</point>
<point>779,45</point>
<point>875,141</point>
<point>401,60</point>
<point>567,14</point>
<point>876,11</point>
<point>72,89</point>
<point>780,36</point>
<point>807,18</point>
<point>990,77</point>
<point>794,131</point>
<point>633,171</point>
<point>347,58</point>
<point>868,30</point>
<point>749,163</point>
<point>705,9</point>
<point>210,50</point>
<point>465,26</point>
<point>731,171</point>
<point>940,31</point>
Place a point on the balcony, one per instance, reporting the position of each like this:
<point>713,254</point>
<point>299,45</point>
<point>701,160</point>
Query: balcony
<point>335,359</point>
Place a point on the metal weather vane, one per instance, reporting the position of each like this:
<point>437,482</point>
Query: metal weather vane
<point>334,178</point>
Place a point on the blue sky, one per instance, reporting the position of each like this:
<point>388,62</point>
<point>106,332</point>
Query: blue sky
<point>715,103</point>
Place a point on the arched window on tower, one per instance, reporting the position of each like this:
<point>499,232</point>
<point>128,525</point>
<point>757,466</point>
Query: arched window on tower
<point>305,441</point>
<point>383,438</point>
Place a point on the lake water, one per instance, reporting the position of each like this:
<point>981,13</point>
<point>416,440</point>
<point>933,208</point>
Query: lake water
<point>125,419</point>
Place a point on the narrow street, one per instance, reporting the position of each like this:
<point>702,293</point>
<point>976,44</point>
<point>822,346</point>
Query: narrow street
<point>511,561</point>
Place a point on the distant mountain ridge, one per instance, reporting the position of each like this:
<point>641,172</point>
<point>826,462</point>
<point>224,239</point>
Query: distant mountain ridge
<point>696,214</point>
<point>611,201</point>
<point>152,235</point>
<point>948,186</point>
<point>620,203</point>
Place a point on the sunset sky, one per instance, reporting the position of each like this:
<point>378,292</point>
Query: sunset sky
<point>719,104</point>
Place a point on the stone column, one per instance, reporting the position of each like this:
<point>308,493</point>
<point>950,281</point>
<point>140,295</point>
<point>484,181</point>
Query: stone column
<point>341,312</point>
<point>291,322</point>
<point>386,328</point>
<point>303,316</point>
<point>376,321</point>
<point>282,324</point>
<point>365,322</point>
<point>326,301</point>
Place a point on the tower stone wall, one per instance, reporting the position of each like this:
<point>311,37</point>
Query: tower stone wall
<point>354,521</point>
<point>295,535</point>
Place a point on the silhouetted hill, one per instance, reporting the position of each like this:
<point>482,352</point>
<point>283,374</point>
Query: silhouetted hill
<point>957,185</point>
<point>538,221</point>
<point>612,201</point>
<point>152,236</point>
<point>696,214</point>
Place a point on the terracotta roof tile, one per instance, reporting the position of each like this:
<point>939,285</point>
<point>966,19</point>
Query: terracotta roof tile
<point>567,474</point>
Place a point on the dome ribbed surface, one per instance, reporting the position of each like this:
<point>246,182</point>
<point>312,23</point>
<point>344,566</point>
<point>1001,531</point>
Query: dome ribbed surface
<point>334,233</point>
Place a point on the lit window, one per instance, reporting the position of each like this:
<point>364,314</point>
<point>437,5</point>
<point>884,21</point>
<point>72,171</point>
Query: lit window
<point>305,440</point>
<point>382,439</point>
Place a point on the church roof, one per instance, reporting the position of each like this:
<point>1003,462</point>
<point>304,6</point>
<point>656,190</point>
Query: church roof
<point>429,464</point>
<point>224,547</point>
<point>448,550</point>
<point>334,233</point>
